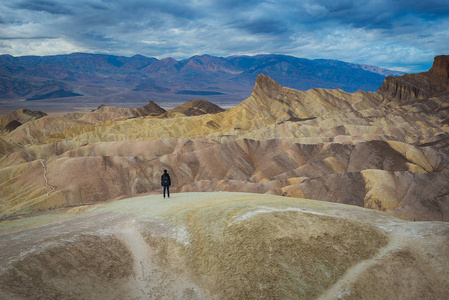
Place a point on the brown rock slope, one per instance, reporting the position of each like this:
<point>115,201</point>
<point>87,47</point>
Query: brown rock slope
<point>222,246</point>
<point>6,148</point>
<point>20,116</point>
<point>362,149</point>
<point>195,107</point>
<point>112,113</point>
<point>412,87</point>
<point>425,92</point>
<point>402,179</point>
<point>38,131</point>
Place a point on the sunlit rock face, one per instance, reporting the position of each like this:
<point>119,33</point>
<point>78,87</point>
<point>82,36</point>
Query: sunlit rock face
<point>368,149</point>
<point>222,246</point>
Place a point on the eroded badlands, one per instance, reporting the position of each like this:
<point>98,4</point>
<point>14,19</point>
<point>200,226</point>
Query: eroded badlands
<point>81,215</point>
<point>384,150</point>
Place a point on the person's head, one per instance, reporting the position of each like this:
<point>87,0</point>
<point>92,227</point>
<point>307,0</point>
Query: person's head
<point>165,171</point>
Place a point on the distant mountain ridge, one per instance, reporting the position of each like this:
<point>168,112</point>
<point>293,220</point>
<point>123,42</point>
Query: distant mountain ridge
<point>96,75</point>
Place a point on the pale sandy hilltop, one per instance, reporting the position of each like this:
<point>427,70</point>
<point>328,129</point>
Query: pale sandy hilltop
<point>222,246</point>
<point>66,234</point>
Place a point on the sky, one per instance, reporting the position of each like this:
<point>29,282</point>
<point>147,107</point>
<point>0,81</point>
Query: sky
<point>394,34</point>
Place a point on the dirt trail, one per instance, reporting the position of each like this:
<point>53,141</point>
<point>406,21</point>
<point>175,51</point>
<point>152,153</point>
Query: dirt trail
<point>46,179</point>
<point>150,280</point>
<point>140,284</point>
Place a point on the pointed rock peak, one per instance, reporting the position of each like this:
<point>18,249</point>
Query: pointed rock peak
<point>440,67</point>
<point>101,106</point>
<point>195,108</point>
<point>33,113</point>
<point>205,106</point>
<point>264,80</point>
<point>151,109</point>
<point>154,107</point>
<point>267,86</point>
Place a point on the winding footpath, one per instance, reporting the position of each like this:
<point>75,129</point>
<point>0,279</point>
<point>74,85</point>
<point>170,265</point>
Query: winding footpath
<point>46,179</point>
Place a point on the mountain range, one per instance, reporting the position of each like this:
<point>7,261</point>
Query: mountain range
<point>99,78</point>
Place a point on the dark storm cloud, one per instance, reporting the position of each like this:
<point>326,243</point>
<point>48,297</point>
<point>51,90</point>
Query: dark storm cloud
<point>234,5</point>
<point>51,7</point>
<point>389,33</point>
<point>381,13</point>
<point>263,26</point>
<point>135,10</point>
<point>428,9</point>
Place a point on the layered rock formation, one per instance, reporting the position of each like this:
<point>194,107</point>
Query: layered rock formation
<point>20,116</point>
<point>420,86</point>
<point>12,125</point>
<point>367,149</point>
<point>195,107</point>
<point>222,246</point>
<point>388,176</point>
<point>112,113</point>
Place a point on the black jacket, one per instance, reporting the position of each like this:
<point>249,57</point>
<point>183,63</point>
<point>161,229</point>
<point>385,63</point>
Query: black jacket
<point>165,179</point>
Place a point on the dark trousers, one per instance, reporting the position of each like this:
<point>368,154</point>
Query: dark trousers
<point>167,187</point>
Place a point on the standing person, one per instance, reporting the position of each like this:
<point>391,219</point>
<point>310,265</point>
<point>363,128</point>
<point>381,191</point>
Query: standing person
<point>166,182</point>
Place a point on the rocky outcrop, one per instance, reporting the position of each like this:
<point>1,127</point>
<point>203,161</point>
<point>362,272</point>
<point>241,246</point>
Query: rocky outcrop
<point>151,109</point>
<point>406,88</point>
<point>440,69</point>
<point>21,116</point>
<point>112,113</point>
<point>12,125</point>
<point>34,132</point>
<point>420,86</point>
<point>195,107</point>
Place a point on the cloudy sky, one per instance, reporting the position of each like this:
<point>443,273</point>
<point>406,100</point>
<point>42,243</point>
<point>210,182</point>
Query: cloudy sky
<point>397,34</point>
